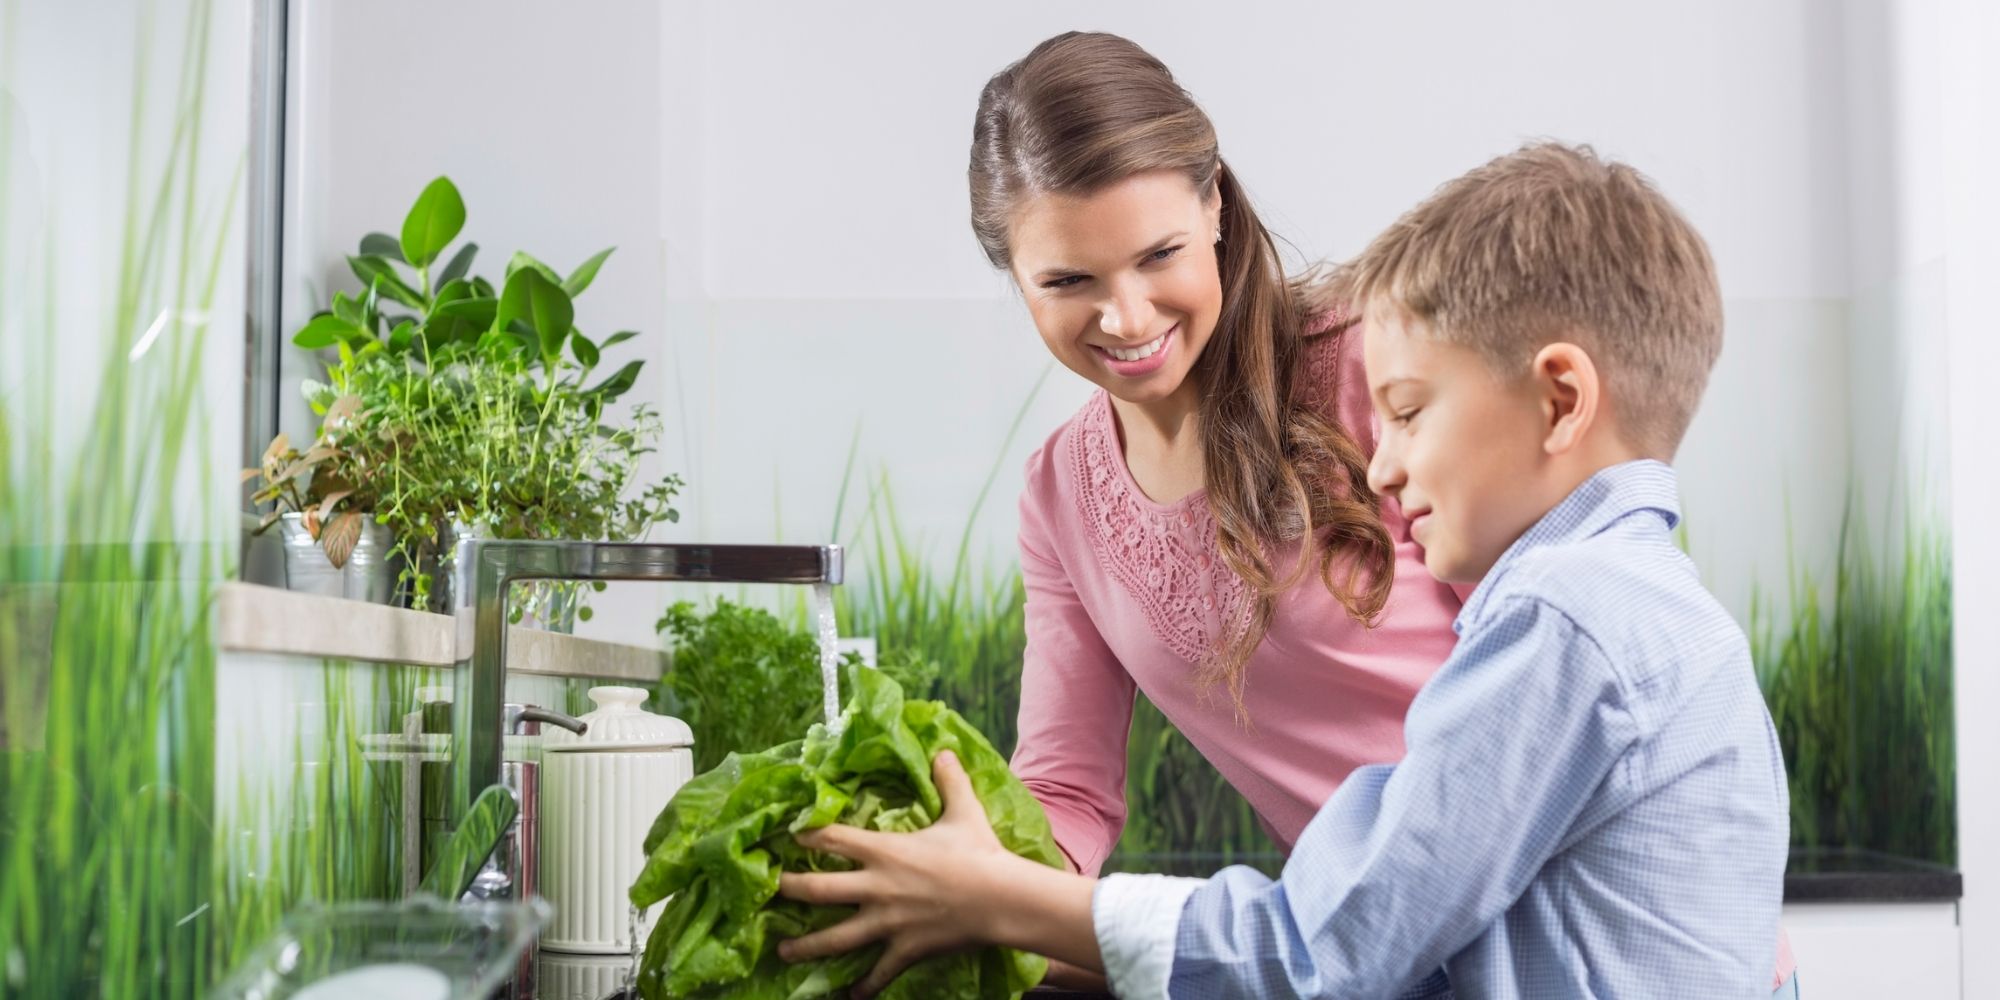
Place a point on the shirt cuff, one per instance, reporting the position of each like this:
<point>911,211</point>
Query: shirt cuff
<point>1136,918</point>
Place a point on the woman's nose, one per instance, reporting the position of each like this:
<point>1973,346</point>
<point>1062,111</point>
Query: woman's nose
<point>1126,312</point>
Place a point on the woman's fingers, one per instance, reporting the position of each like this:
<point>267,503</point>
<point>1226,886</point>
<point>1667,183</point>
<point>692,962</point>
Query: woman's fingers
<point>854,932</point>
<point>825,888</point>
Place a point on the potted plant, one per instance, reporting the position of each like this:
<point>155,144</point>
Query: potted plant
<point>484,443</point>
<point>477,405</point>
<point>324,499</point>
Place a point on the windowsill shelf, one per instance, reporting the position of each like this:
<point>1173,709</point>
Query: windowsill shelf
<point>251,618</point>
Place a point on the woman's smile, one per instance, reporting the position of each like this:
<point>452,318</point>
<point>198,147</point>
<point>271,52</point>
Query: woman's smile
<point>1141,359</point>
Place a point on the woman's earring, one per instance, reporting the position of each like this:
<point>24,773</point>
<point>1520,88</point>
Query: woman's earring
<point>1218,234</point>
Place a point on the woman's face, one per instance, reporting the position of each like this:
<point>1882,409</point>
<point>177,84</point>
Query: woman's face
<point>1123,283</point>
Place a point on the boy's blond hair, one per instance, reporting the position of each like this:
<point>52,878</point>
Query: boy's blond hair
<point>1551,243</point>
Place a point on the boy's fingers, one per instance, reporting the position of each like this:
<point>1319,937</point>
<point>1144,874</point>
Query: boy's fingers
<point>824,888</point>
<point>887,968</point>
<point>849,934</point>
<point>1063,975</point>
<point>956,787</point>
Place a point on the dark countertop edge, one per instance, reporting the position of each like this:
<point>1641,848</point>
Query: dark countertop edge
<point>1942,886</point>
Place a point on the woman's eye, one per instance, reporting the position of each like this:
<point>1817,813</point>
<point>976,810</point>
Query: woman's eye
<point>1406,416</point>
<point>1063,282</point>
<point>1166,253</point>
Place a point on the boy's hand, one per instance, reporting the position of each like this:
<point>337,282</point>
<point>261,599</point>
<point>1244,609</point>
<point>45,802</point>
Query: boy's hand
<point>920,893</point>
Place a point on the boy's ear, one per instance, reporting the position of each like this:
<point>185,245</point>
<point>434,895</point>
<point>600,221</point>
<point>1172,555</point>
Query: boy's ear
<point>1571,393</point>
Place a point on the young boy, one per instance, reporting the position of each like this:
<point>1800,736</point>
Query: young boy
<point>1592,803</point>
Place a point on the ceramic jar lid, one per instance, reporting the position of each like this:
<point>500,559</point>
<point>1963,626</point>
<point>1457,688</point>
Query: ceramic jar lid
<point>620,724</point>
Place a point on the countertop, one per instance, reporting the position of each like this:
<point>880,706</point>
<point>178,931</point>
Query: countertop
<point>1847,875</point>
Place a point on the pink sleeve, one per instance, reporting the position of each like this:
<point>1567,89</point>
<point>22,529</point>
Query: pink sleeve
<point>1076,698</point>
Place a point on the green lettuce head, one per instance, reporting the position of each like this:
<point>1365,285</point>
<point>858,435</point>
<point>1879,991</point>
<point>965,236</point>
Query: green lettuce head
<point>718,847</point>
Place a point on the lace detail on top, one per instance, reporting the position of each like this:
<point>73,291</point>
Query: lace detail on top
<point>1164,556</point>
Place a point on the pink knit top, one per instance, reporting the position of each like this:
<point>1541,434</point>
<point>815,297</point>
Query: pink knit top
<point>1126,595</point>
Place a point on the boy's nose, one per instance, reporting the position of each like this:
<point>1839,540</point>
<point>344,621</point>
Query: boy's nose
<point>1385,471</point>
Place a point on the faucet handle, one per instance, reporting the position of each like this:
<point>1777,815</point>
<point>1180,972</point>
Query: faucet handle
<point>518,715</point>
<point>464,860</point>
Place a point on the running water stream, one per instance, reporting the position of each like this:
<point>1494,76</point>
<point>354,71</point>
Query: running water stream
<point>638,952</point>
<point>829,653</point>
<point>829,672</point>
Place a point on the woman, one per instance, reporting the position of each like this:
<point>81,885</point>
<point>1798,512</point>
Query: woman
<point>1202,530</point>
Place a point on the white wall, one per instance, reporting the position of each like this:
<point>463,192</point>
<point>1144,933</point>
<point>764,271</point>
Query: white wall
<point>1876,951</point>
<point>1971,34</point>
<point>1894,160</point>
<point>786,185</point>
<point>816,244</point>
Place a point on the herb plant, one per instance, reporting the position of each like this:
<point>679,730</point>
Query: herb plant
<point>742,679</point>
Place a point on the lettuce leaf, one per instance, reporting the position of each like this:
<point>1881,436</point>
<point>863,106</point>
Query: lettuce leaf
<point>719,845</point>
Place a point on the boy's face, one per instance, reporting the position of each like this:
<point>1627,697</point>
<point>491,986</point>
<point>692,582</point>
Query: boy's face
<point>1460,449</point>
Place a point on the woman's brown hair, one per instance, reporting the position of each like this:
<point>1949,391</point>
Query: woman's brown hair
<point>1087,110</point>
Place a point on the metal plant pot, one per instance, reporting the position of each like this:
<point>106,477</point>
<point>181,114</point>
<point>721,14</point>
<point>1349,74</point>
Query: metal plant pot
<point>365,577</point>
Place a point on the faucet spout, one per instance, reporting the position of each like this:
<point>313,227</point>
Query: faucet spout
<point>485,568</point>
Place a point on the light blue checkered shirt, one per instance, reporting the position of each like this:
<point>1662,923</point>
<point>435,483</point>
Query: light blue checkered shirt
<point>1592,804</point>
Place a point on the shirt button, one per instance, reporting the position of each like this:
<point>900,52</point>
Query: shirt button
<point>1207,603</point>
<point>1187,519</point>
<point>1201,560</point>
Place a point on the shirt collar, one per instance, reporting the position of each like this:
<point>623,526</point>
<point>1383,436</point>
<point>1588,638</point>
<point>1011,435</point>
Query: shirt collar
<point>1603,499</point>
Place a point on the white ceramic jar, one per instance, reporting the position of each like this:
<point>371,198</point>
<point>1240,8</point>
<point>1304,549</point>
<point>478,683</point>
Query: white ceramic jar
<point>580,977</point>
<point>600,794</point>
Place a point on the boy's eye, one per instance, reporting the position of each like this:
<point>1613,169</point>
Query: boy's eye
<point>1063,282</point>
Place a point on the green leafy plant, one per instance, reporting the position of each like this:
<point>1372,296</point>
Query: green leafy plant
<point>107,658</point>
<point>477,404</point>
<point>328,832</point>
<point>451,314</point>
<point>1859,683</point>
<point>743,679</point>
<point>720,844</point>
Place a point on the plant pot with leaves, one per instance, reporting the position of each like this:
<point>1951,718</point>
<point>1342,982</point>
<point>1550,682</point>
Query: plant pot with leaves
<point>483,405</point>
<point>324,501</point>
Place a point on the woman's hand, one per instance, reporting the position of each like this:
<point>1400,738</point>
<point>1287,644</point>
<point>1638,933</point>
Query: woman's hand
<point>944,888</point>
